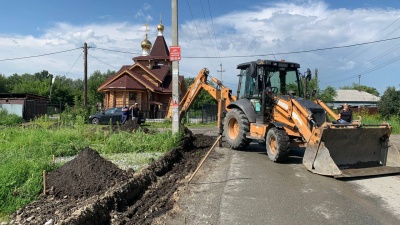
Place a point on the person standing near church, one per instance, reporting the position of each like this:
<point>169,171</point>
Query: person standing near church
<point>125,112</point>
<point>135,112</point>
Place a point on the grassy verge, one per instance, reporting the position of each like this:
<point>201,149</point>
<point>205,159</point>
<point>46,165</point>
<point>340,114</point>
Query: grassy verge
<point>26,151</point>
<point>169,125</point>
<point>394,121</point>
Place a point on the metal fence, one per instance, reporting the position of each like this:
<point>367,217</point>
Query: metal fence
<point>209,113</point>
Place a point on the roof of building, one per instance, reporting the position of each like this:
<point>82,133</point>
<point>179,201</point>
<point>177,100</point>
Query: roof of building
<point>22,95</point>
<point>355,96</point>
<point>138,75</point>
<point>160,48</point>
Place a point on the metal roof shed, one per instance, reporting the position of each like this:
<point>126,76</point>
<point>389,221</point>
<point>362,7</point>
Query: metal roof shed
<point>28,106</point>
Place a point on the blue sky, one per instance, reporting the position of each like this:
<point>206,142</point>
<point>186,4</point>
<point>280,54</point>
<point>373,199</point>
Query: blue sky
<point>248,30</point>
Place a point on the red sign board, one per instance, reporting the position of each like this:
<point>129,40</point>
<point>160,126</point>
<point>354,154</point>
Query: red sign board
<point>175,53</point>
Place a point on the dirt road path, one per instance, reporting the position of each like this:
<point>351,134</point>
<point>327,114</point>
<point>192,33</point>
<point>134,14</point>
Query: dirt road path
<point>244,187</point>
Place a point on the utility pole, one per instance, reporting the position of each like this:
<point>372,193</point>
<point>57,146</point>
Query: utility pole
<point>221,71</point>
<point>175,70</point>
<point>85,47</point>
<point>359,86</point>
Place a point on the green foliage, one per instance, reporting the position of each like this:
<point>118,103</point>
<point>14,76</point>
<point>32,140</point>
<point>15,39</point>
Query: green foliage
<point>389,104</point>
<point>38,84</point>
<point>9,119</point>
<point>65,89</point>
<point>355,86</point>
<point>94,82</point>
<point>307,85</point>
<point>3,84</point>
<point>203,97</point>
<point>62,90</point>
<point>328,94</point>
<point>26,152</point>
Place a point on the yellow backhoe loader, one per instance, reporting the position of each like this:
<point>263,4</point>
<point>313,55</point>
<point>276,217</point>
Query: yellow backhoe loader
<point>270,106</point>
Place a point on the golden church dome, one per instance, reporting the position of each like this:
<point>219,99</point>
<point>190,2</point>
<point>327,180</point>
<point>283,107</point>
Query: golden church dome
<point>160,27</point>
<point>146,44</point>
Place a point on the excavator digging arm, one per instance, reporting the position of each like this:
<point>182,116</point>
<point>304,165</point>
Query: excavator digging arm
<point>222,94</point>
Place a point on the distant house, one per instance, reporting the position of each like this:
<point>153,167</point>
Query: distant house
<point>356,99</point>
<point>148,81</point>
<point>28,106</point>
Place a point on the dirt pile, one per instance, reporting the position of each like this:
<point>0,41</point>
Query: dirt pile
<point>128,126</point>
<point>88,174</point>
<point>115,197</point>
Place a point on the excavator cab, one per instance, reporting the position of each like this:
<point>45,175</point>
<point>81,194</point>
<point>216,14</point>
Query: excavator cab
<point>261,80</point>
<point>271,107</point>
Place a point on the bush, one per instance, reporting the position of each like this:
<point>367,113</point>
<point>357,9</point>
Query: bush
<point>9,119</point>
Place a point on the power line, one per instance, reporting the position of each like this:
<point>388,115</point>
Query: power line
<point>297,52</point>
<point>74,64</point>
<point>102,61</point>
<point>111,50</point>
<point>35,56</point>
<point>198,33</point>
<point>212,24</point>
<point>367,71</point>
<point>208,31</point>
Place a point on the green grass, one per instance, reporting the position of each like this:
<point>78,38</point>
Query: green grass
<point>9,119</point>
<point>394,121</point>
<point>168,124</point>
<point>26,151</point>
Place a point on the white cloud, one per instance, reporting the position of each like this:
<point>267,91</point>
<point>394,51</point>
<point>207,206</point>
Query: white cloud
<point>267,29</point>
<point>289,27</point>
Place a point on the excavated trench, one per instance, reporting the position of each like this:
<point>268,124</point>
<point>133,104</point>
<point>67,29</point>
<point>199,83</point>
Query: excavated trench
<point>92,190</point>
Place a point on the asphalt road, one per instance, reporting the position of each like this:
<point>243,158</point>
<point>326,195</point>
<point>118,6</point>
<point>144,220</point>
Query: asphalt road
<point>245,187</point>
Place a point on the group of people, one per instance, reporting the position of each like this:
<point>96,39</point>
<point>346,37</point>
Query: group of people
<point>125,112</point>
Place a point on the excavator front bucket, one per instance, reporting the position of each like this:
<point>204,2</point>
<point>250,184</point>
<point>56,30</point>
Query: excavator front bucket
<point>349,151</point>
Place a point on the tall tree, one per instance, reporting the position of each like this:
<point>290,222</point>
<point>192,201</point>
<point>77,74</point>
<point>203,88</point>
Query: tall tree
<point>389,104</point>
<point>203,97</point>
<point>12,81</point>
<point>44,75</point>
<point>39,83</point>
<point>365,88</point>
<point>64,90</point>
<point>94,82</point>
<point>328,94</point>
<point>3,84</point>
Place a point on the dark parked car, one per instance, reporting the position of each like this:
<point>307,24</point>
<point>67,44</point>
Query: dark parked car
<point>114,115</point>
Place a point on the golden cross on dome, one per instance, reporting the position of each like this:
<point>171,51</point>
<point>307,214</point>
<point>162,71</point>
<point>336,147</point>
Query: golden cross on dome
<point>146,28</point>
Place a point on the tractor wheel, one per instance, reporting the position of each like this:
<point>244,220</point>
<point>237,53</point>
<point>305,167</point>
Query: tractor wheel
<point>277,144</point>
<point>95,121</point>
<point>236,126</point>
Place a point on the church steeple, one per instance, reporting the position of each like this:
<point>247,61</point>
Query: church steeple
<point>146,44</point>
<point>160,28</point>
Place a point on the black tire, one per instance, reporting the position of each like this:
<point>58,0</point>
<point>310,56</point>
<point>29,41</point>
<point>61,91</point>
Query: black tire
<point>277,145</point>
<point>95,121</point>
<point>236,126</point>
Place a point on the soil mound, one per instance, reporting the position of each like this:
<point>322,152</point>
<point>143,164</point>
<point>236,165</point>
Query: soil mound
<point>88,174</point>
<point>134,199</point>
<point>129,125</point>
